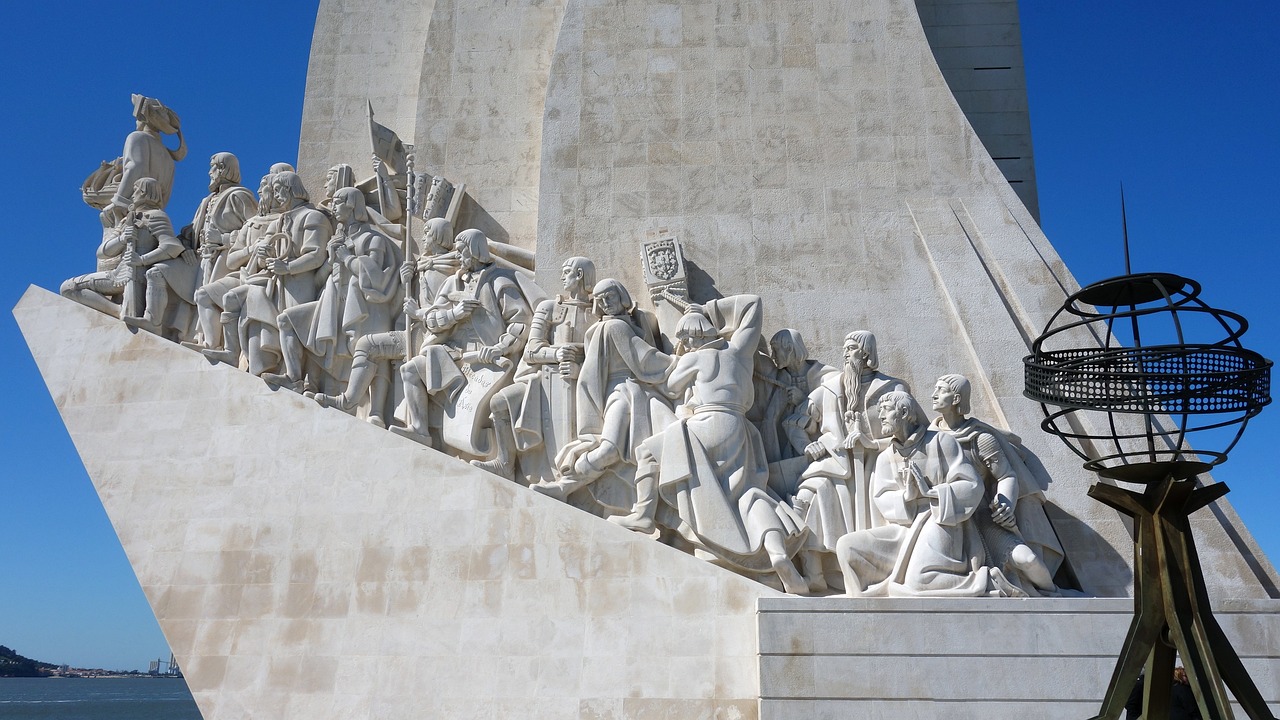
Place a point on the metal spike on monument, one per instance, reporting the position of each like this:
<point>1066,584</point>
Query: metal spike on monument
<point>681,473</point>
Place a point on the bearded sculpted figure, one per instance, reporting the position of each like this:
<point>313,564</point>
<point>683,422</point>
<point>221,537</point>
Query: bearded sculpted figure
<point>833,427</point>
<point>1018,535</point>
<point>535,415</point>
<point>222,212</point>
<point>280,271</point>
<point>358,297</point>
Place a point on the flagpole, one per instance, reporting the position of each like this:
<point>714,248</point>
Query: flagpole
<point>411,203</point>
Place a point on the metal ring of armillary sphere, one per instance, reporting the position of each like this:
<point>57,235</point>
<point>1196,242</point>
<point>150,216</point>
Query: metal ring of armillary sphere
<point>1128,407</point>
<point>1091,361</point>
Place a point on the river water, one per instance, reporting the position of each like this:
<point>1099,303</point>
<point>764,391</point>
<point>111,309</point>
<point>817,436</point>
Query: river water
<point>96,699</point>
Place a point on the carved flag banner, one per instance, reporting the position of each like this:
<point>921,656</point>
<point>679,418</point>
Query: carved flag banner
<point>387,144</point>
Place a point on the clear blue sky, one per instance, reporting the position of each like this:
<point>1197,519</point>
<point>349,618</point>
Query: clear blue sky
<point>1175,99</point>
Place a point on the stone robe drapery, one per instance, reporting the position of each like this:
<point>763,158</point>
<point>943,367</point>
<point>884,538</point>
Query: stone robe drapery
<point>300,236</point>
<point>713,474</point>
<point>360,300</point>
<point>1033,523</point>
<point>502,305</point>
<point>228,210</point>
<point>931,545</point>
<point>833,510</point>
<point>540,400</point>
<point>774,405</point>
<point>616,400</point>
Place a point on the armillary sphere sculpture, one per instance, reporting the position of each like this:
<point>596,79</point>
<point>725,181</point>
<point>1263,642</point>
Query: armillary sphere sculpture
<point>1123,384</point>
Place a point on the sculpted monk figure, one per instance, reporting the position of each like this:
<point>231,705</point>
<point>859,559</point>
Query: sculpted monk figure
<point>534,415</point>
<point>359,298</point>
<point>1019,538</point>
<point>928,492</point>
<point>705,477</point>
<point>221,213</point>
<point>479,318</point>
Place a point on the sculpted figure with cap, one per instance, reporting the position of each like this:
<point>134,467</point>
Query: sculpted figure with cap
<point>287,258</point>
<point>834,426</point>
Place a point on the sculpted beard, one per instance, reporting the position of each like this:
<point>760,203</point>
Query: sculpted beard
<point>852,380</point>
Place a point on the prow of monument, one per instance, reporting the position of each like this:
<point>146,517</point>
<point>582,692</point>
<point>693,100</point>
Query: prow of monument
<point>647,359</point>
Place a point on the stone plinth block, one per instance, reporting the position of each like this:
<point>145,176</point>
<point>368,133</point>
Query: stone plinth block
<point>304,564</point>
<point>919,659</point>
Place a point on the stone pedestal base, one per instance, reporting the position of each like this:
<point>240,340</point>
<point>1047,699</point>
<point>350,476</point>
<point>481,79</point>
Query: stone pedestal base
<point>997,659</point>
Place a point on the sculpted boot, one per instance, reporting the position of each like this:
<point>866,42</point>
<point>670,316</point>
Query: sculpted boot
<point>502,463</point>
<point>811,560</point>
<point>230,341</point>
<point>641,517</point>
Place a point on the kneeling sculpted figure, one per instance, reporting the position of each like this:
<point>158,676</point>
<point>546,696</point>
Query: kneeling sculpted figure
<point>928,491</point>
<point>1019,537</point>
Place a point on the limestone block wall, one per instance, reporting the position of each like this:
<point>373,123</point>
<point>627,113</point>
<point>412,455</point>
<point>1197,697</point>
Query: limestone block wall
<point>304,564</point>
<point>812,152</point>
<point>978,47</point>
<point>361,53</point>
<point>961,659</point>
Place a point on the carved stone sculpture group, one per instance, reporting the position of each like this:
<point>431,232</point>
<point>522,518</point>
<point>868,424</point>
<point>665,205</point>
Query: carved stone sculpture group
<point>686,424</point>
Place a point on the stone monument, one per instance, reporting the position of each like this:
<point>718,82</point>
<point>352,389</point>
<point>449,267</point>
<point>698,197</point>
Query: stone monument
<point>673,492</point>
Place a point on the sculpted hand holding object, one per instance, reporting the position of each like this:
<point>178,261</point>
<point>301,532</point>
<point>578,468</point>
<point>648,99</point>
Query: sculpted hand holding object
<point>831,426</point>
<point>928,493</point>
<point>534,416</point>
<point>359,298</point>
<point>479,318</point>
